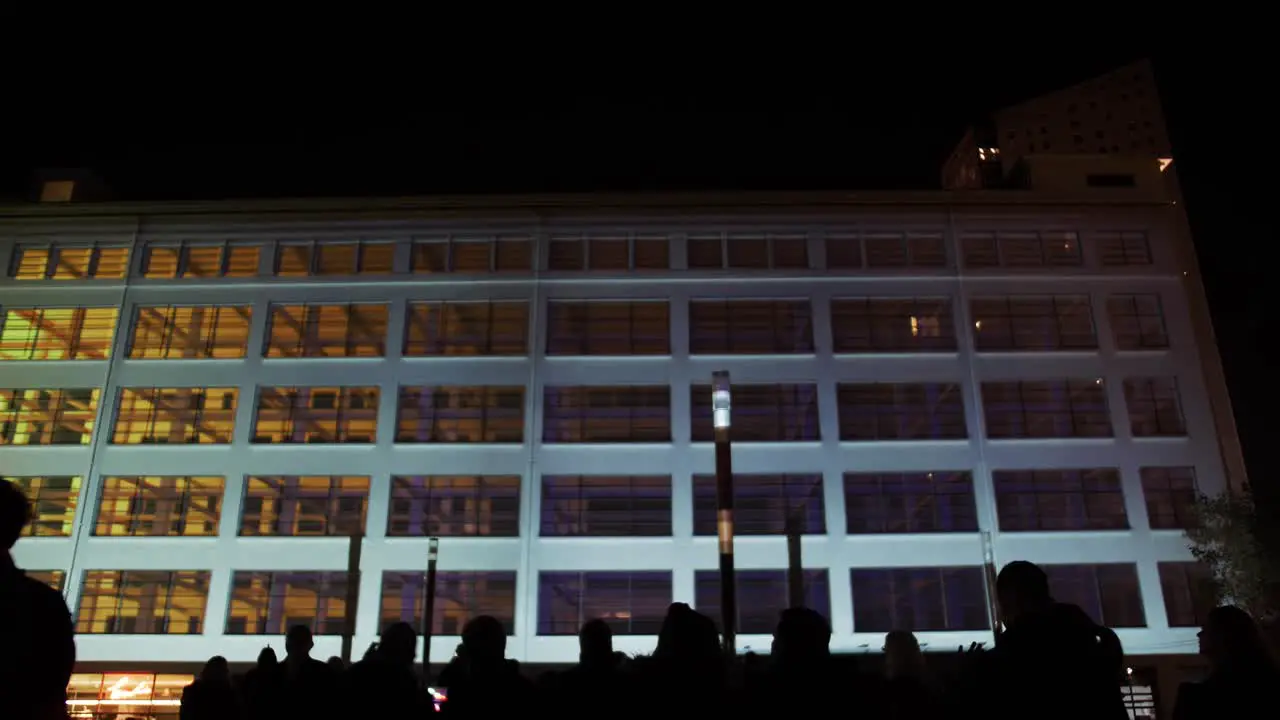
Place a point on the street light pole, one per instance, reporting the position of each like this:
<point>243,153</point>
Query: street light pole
<point>353,595</point>
<point>720,402</point>
<point>795,561</point>
<point>429,609</point>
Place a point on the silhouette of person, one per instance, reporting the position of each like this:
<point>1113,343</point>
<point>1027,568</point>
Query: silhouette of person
<point>263,687</point>
<point>596,683</point>
<point>37,643</point>
<point>485,684</point>
<point>383,683</point>
<point>1242,675</point>
<point>309,688</point>
<point>211,696</point>
<point>906,693</point>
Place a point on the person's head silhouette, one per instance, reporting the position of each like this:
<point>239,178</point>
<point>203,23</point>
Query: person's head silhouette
<point>1022,588</point>
<point>802,635</point>
<point>15,512</point>
<point>485,640</point>
<point>595,642</point>
<point>398,644</point>
<point>298,642</point>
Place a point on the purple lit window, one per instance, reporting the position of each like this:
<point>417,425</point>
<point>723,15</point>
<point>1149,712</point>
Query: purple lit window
<point>917,502</point>
<point>607,414</point>
<point>606,506</point>
<point>1078,499</point>
<point>762,503</point>
<point>921,599</point>
<point>1046,409</point>
<point>761,413</point>
<point>872,412</point>
<point>884,325</point>
<point>269,603</point>
<point>455,506</point>
<point>1189,593</point>
<point>762,595</point>
<point>750,327</point>
<point>1109,593</point>
<point>460,596</point>
<point>467,328</point>
<point>1171,497</point>
<point>633,603</point>
<point>460,414</point>
<point>1154,407</point>
<point>608,327</point>
<point>1033,322</point>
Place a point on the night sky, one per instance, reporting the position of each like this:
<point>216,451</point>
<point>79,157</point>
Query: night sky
<point>865,124</point>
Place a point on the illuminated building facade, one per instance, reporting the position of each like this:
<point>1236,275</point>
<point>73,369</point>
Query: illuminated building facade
<point>206,402</point>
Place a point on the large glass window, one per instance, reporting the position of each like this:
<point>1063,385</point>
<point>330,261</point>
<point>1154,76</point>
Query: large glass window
<point>47,417</point>
<point>892,325</point>
<point>320,415</point>
<point>1189,592</point>
<point>471,414</point>
<point>762,596</point>
<point>608,327</point>
<point>1060,500</point>
<point>750,327</point>
<point>304,505</point>
<point>763,504</point>
<point>182,416</point>
<point>467,328</point>
<point>160,505</point>
<point>1033,323</point>
<point>607,414</point>
<point>606,506</point>
<point>870,412</point>
<point>1155,409</point>
<point>1170,494</point>
<point>176,332</point>
<point>309,331</point>
<point>269,603</point>
<point>911,502</point>
<point>1030,409</point>
<point>1123,248</point>
<point>335,257</point>
<point>748,251</point>
<point>460,596</point>
<point>126,696</point>
<point>455,506</point>
<point>200,260</point>
<point>57,333</point>
<point>505,253</point>
<point>919,599</point>
<point>1137,322</point>
<point>69,262</point>
<point>632,603</point>
<point>1109,593</point>
<point>609,252</point>
<point>53,503</point>
<point>143,602</point>
<point>761,413</point>
<point>1021,249</point>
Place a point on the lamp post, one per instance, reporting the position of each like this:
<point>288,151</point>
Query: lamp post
<point>353,595</point>
<point>429,609</point>
<point>795,561</point>
<point>720,402</point>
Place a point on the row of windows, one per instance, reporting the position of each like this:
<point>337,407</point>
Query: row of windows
<point>867,412</point>
<point>920,599</point>
<point>1035,323</point>
<point>612,506</point>
<point>570,253</point>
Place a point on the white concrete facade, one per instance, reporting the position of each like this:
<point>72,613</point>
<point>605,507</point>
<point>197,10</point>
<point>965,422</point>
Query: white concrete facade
<point>682,553</point>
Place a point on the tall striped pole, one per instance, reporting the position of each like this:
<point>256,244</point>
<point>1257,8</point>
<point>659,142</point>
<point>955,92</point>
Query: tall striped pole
<point>724,510</point>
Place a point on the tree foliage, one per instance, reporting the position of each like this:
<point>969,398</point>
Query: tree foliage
<point>1229,538</point>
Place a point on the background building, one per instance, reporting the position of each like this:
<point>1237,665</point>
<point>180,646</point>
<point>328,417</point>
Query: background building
<point>933,380</point>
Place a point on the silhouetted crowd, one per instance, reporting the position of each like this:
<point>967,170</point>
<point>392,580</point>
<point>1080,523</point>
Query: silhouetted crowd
<point>1050,661</point>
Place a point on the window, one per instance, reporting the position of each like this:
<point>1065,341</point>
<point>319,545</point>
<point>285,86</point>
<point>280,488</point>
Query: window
<point>460,414</point>
<point>473,255</point>
<point>608,327</point>
<point>606,506</point>
<point>1021,250</point>
<point>607,414</point>
<point>1108,593</point>
<point>1033,322</point>
<point>455,506</point>
<point>169,506</point>
<point>467,328</point>
<point>174,332</point>
<point>920,599</point>
<point>914,502</point>
<point>896,250</point>
<point>1188,591</point>
<point>761,413</point>
<point>871,412</point>
<point>53,578</point>
<point>297,506</point>
<point>200,260</point>
<point>302,259</point>
<point>69,262</point>
<point>750,327</point>
<point>175,416</point>
<point>47,417</point>
<point>269,603</point>
<point>143,602</point>
<point>1137,322</point>
<point>762,596</point>
<point>300,331</point>
<point>1031,409</point>
<point>1031,500</point>
<point>714,251</point>
<point>1154,407</point>
<point>288,415</point>
<point>53,504</point>
<point>57,333</point>
<point>618,252</point>
<point>1170,494</point>
<point>460,597</point>
<point>763,504</point>
<point>844,251</point>
<point>98,696</point>
<point>632,603</point>
<point>871,325</point>
<point>1123,248</point>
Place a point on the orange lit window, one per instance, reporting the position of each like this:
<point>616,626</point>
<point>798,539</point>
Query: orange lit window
<point>307,505</point>
<point>460,596</point>
<point>143,602</point>
<point>302,331</point>
<point>269,603</point>
<point>170,506</point>
<point>57,333</point>
<point>170,332</point>
<point>177,416</point>
<point>333,257</point>
<point>69,262</point>
<point>52,578</point>
<point>125,695</point>
<point>455,506</point>
<point>316,415</point>
<point>467,328</point>
<point>53,503</point>
<point>475,414</point>
<point>200,260</point>
<point>473,255</point>
<point>47,417</point>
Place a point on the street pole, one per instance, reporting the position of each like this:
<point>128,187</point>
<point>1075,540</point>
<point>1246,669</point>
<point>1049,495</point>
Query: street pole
<point>795,564</point>
<point>429,609</point>
<point>989,582</point>
<point>720,402</point>
<point>353,594</point>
